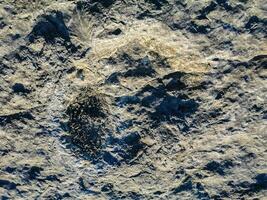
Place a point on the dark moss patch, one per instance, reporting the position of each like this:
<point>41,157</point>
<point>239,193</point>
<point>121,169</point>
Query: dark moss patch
<point>87,116</point>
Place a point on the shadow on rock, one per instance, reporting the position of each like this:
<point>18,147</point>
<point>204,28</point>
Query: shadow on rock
<point>50,27</point>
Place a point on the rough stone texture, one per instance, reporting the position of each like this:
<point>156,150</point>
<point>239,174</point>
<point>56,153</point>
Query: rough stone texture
<point>149,99</point>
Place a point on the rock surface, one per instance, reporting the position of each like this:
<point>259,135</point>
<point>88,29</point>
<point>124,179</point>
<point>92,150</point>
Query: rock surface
<point>149,99</point>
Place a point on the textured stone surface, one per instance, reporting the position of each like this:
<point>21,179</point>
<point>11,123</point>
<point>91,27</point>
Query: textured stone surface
<point>150,99</point>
